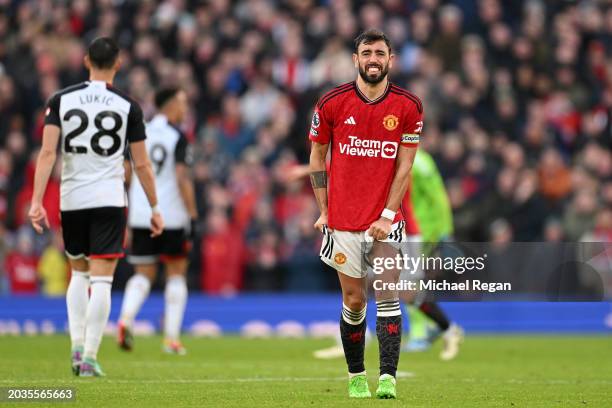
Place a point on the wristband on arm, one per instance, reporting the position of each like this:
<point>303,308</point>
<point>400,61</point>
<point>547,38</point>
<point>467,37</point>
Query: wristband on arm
<point>388,214</point>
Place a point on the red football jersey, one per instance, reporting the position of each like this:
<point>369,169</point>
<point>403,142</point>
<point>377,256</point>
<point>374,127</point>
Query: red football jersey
<point>364,137</point>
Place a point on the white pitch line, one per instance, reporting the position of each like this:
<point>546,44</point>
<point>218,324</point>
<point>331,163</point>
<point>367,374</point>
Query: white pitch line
<point>400,374</point>
<point>526,382</point>
<point>186,381</point>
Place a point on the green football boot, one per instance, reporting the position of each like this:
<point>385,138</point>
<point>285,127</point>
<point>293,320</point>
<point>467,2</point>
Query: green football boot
<point>358,387</point>
<point>386,387</point>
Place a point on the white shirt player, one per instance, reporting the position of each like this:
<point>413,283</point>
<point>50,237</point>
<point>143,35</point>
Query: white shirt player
<point>166,146</point>
<point>96,122</point>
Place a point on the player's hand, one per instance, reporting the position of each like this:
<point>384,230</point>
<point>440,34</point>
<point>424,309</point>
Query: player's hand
<point>38,217</point>
<point>321,222</point>
<point>157,225</point>
<point>380,229</point>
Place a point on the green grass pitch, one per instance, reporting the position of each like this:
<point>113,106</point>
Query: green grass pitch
<point>501,371</point>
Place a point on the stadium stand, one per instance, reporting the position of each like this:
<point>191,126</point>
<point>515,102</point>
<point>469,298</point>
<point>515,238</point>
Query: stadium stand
<point>517,97</point>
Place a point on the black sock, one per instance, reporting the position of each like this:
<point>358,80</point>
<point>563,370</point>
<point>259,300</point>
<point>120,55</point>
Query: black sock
<point>352,333</point>
<point>433,311</point>
<point>389,333</point>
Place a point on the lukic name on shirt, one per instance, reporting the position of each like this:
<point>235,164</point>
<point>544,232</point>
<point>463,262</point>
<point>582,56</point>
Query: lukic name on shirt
<point>96,98</point>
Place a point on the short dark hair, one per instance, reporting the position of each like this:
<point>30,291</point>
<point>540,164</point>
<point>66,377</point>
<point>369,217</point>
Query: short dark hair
<point>103,52</point>
<point>164,95</point>
<point>370,36</point>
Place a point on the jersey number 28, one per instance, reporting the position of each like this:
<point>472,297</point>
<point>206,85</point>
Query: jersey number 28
<point>95,139</point>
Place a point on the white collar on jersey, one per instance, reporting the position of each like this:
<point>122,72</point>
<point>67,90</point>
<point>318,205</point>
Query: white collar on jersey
<point>160,117</point>
<point>100,84</point>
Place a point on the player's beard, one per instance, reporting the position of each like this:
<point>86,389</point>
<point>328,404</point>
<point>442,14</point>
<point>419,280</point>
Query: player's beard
<point>374,78</point>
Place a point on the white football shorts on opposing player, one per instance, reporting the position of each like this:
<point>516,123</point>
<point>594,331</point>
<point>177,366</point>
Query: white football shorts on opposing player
<point>346,251</point>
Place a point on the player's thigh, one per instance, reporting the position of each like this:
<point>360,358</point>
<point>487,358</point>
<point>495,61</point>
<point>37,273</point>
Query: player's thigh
<point>149,270</point>
<point>174,251</point>
<point>386,259</point>
<point>102,266</point>
<point>107,233</point>
<point>76,226</point>
<point>344,251</point>
<point>79,264</point>
<point>176,266</point>
<point>389,273</point>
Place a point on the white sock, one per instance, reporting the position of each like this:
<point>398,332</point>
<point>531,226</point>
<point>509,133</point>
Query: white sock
<point>98,311</point>
<point>136,292</point>
<point>176,298</point>
<point>77,297</point>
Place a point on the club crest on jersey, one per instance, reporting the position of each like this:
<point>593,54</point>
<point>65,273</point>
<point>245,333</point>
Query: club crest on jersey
<point>340,258</point>
<point>316,121</point>
<point>390,122</point>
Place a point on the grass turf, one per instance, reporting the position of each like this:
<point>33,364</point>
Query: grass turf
<point>543,371</point>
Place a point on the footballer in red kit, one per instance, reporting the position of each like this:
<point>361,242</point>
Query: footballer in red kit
<point>371,129</point>
<point>366,138</point>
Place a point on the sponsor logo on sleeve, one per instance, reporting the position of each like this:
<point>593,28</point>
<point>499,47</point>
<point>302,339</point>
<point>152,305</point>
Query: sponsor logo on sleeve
<point>408,138</point>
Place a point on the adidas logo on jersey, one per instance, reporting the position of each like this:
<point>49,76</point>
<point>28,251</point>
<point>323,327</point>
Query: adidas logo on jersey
<point>350,121</point>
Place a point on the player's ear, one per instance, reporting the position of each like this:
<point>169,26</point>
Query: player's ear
<point>87,62</point>
<point>117,65</point>
<point>356,60</point>
<point>391,59</point>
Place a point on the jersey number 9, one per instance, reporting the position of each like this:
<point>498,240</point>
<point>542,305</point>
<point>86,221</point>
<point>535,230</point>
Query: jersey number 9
<point>158,156</point>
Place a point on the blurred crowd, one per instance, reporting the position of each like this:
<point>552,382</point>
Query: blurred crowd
<point>517,97</point>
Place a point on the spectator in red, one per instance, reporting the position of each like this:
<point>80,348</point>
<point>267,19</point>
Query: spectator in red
<point>6,168</point>
<point>222,256</point>
<point>20,265</point>
<point>4,287</point>
<point>51,199</point>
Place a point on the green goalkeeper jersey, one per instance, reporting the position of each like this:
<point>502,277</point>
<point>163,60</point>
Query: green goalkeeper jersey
<point>429,199</point>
